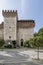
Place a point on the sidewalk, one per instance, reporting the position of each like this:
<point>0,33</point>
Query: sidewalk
<point>32,53</point>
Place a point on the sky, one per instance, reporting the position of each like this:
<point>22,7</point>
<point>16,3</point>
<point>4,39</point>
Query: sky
<point>27,9</point>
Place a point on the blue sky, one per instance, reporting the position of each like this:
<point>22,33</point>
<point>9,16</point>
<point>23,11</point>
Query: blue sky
<point>27,9</point>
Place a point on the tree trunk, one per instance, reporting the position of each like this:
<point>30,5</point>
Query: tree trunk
<point>38,53</point>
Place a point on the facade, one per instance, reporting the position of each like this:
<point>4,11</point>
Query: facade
<point>16,30</point>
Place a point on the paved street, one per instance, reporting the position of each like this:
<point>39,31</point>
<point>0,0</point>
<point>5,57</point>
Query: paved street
<point>19,57</point>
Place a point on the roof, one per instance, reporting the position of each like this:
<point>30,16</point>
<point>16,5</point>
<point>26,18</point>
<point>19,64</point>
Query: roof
<point>25,20</point>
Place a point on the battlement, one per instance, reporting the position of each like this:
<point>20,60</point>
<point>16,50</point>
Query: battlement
<point>9,13</point>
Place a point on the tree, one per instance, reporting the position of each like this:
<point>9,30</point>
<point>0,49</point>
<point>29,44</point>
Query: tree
<point>26,43</point>
<point>31,42</point>
<point>40,33</point>
<point>39,43</point>
<point>1,42</point>
<point>35,34</point>
<point>36,42</point>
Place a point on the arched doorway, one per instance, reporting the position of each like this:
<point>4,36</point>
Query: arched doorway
<point>21,42</point>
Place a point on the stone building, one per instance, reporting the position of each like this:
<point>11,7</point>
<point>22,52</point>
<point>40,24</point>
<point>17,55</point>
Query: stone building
<point>14,30</point>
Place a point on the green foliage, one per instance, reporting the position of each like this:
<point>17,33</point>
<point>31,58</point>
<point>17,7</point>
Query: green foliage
<point>36,42</point>
<point>1,42</point>
<point>35,34</point>
<point>39,41</point>
<point>40,33</point>
<point>41,30</point>
<point>8,46</point>
<point>26,43</point>
<point>33,42</point>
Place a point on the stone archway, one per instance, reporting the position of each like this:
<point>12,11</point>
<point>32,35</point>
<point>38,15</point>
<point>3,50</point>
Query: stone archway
<point>21,42</point>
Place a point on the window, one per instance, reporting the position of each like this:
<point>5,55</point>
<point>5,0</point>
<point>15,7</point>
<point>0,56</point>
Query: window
<point>9,36</point>
<point>10,29</point>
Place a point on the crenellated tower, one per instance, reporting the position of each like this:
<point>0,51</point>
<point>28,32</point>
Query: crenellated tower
<point>10,25</point>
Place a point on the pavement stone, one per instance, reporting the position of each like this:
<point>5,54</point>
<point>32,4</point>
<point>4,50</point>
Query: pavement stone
<point>19,57</point>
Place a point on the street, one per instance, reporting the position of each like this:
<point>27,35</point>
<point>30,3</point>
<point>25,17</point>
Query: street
<point>19,57</point>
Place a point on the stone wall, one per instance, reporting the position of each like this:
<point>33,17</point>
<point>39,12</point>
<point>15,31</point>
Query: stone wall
<point>25,34</point>
<point>10,25</point>
<point>1,33</point>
